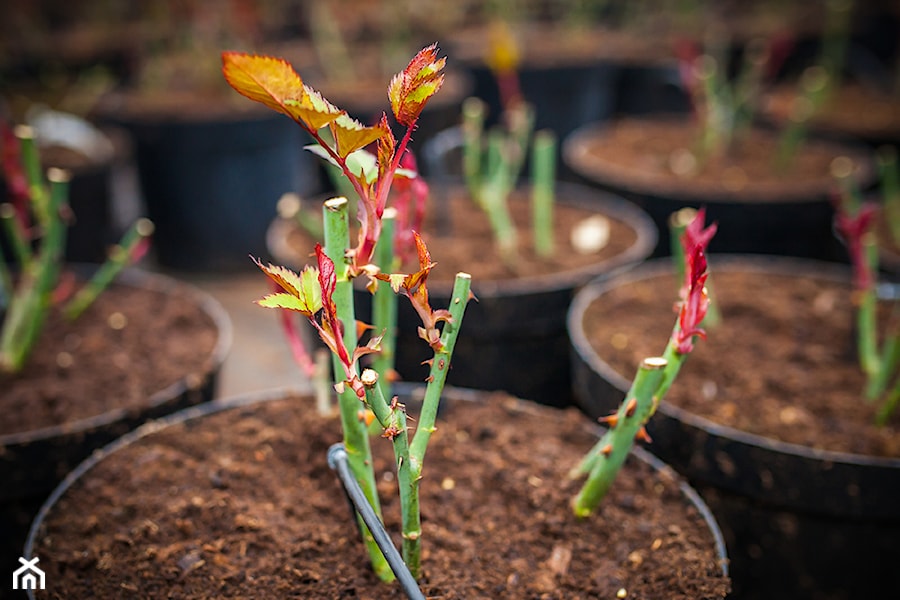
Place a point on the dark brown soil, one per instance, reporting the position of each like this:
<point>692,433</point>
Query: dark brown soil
<point>469,244</point>
<point>243,505</point>
<point>853,110</point>
<point>782,363</point>
<point>643,154</point>
<point>95,364</point>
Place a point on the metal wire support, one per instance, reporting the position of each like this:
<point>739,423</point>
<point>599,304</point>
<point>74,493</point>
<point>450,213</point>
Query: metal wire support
<point>337,460</point>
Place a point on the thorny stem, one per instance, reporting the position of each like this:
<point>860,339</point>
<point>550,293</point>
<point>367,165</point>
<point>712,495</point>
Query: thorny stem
<point>392,418</point>
<point>384,302</point>
<point>440,365</point>
<point>356,438</point>
<point>605,460</point>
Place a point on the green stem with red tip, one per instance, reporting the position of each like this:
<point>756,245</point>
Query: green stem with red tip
<point>356,437</point>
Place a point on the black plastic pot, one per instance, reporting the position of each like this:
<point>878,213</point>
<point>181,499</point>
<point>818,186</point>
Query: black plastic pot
<point>211,184</point>
<point>794,220</point>
<point>92,201</point>
<point>515,335</point>
<point>410,394</point>
<point>32,463</point>
<point>799,522</point>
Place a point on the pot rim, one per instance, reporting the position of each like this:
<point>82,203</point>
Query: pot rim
<point>140,278</point>
<point>402,388</point>
<point>783,265</point>
<point>568,194</point>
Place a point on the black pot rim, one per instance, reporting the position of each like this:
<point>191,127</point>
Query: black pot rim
<point>573,149</point>
<point>136,277</point>
<point>569,194</point>
<point>752,263</point>
<point>401,388</point>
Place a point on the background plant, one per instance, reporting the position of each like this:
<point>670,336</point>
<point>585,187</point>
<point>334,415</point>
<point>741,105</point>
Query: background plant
<point>855,220</point>
<point>323,294</point>
<point>493,159</point>
<point>654,377</point>
<point>35,222</point>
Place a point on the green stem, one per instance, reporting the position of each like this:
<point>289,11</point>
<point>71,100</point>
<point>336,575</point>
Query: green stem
<point>888,359</point>
<point>437,378</point>
<point>473,115</point>
<point>612,449</point>
<point>866,322</point>
<point>493,194</point>
<point>392,418</point>
<point>28,307</point>
<point>356,437</point>
<point>119,258</point>
<point>16,236</point>
<point>543,178</point>
<point>384,302</point>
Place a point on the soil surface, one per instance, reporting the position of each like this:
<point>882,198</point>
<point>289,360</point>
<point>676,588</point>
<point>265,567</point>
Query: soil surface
<point>468,243</point>
<point>242,504</point>
<point>131,343</point>
<point>659,156</point>
<point>853,110</point>
<point>781,364</point>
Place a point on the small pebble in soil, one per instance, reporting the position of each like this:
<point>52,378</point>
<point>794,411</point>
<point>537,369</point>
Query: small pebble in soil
<point>117,321</point>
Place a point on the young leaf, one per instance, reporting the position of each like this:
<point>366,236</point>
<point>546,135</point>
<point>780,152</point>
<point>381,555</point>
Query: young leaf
<point>695,301</point>
<point>274,83</point>
<point>351,135</point>
<point>301,292</point>
<point>411,88</point>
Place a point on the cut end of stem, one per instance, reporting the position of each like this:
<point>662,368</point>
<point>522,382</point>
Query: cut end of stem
<point>389,213</point>
<point>24,132</point>
<point>654,363</point>
<point>369,378</point>
<point>57,175</point>
<point>683,217</point>
<point>463,275</point>
<point>336,204</point>
<point>144,227</point>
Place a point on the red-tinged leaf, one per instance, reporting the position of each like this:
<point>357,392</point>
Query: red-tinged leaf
<point>285,278</point>
<point>351,135</point>
<point>695,300</point>
<point>331,325</point>
<point>410,89</point>
<point>274,83</point>
<point>314,109</point>
<point>854,228</point>
<point>387,145</point>
<point>288,302</point>
<point>304,288</point>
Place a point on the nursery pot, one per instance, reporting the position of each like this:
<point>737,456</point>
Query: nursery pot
<point>93,226</point>
<point>198,504</point>
<point>800,521</point>
<point>210,181</point>
<point>514,336</point>
<point>788,214</point>
<point>33,462</point>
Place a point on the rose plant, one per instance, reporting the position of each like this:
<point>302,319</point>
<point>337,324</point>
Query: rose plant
<point>322,293</point>
<point>35,222</point>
